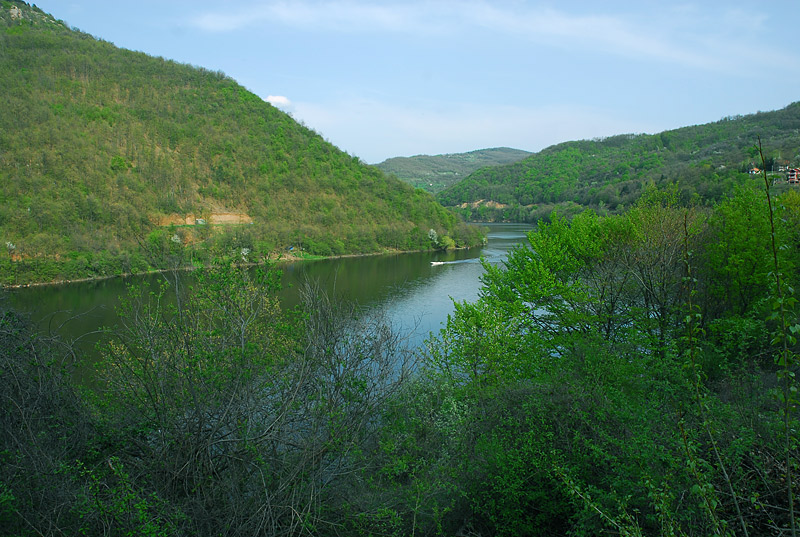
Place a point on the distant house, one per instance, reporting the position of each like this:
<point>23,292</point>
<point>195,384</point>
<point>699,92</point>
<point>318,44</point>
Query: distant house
<point>754,171</point>
<point>793,176</point>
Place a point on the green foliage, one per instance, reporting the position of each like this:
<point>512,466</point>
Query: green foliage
<point>631,373</point>
<point>609,175</point>
<point>602,387</point>
<point>246,418</point>
<point>55,473</point>
<point>601,383</point>
<point>737,253</point>
<point>434,173</point>
<point>103,145</point>
<point>112,500</point>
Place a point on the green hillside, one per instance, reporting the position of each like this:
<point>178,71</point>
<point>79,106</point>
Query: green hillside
<point>111,161</point>
<point>437,172</point>
<point>609,174</point>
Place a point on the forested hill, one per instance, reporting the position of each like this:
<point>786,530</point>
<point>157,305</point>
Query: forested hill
<point>609,174</point>
<point>437,172</point>
<point>111,161</point>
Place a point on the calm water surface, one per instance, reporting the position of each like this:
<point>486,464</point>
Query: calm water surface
<point>416,294</point>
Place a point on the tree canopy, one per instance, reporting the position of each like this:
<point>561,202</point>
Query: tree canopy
<point>103,149</point>
<point>436,172</point>
<point>608,175</point>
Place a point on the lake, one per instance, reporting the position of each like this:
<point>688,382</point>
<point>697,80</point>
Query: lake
<point>415,290</point>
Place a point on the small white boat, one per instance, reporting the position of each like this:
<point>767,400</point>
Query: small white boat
<point>434,263</point>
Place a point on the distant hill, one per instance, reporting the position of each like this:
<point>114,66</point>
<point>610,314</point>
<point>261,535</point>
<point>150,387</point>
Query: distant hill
<point>437,172</point>
<point>114,161</point>
<point>705,161</point>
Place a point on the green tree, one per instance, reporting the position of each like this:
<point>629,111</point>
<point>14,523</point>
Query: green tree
<point>581,397</point>
<point>248,419</point>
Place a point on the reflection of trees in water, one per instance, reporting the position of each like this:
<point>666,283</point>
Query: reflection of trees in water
<point>223,414</point>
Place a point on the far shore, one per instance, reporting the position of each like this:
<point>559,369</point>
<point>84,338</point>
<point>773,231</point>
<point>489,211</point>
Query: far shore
<point>285,258</point>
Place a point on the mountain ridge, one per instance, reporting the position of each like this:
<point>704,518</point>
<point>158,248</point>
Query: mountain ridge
<point>99,144</point>
<point>706,161</point>
<point>436,172</point>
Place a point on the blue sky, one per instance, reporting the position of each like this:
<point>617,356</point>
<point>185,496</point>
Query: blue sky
<point>397,78</point>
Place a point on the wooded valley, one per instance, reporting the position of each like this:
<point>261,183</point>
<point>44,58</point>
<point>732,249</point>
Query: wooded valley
<point>631,372</point>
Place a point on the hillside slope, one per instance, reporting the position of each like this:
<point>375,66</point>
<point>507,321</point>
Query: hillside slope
<point>109,158</point>
<point>705,161</point>
<point>437,172</point>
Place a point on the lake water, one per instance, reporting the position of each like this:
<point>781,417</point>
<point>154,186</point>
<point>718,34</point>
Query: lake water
<point>415,290</point>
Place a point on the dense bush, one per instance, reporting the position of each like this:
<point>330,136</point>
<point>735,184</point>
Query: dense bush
<point>618,375</point>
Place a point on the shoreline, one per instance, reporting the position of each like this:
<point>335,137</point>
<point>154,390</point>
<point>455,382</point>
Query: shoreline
<point>289,258</point>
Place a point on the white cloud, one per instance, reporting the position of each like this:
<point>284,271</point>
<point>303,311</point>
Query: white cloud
<point>712,38</point>
<point>342,15</point>
<point>278,100</point>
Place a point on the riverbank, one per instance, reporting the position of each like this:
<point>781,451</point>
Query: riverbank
<point>416,295</point>
<point>276,259</point>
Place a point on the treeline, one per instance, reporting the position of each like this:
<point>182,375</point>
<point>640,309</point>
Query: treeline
<point>630,374</point>
<point>610,174</point>
<point>437,172</point>
<point>99,145</point>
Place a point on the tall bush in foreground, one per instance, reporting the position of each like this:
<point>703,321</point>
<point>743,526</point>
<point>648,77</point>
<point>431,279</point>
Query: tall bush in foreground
<point>585,405</point>
<point>55,475</point>
<point>249,419</point>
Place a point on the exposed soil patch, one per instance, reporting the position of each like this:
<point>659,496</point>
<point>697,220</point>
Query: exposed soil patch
<point>229,218</point>
<point>213,218</point>
<point>483,203</point>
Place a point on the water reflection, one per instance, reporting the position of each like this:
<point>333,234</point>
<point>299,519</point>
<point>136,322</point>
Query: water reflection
<point>416,291</point>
